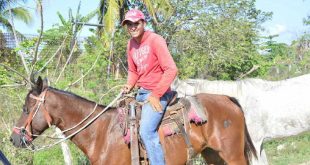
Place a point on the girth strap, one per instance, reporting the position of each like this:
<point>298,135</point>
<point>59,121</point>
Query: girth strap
<point>134,145</point>
<point>190,149</point>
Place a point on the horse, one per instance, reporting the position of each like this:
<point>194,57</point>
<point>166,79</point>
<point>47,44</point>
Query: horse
<point>273,109</point>
<point>223,139</point>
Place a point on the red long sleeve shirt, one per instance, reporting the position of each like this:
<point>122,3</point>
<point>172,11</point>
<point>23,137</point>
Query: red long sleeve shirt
<point>150,64</point>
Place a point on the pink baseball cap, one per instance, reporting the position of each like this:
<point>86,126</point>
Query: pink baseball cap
<point>133,15</point>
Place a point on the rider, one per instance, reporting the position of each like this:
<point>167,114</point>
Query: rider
<point>152,69</point>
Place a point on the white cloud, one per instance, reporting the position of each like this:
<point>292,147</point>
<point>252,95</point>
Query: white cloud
<point>276,29</point>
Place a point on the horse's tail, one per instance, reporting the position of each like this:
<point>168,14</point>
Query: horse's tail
<point>249,148</point>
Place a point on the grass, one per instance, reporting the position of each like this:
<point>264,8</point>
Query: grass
<point>54,156</point>
<point>289,151</point>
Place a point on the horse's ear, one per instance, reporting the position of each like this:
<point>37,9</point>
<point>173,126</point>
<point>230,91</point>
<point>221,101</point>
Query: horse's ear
<point>39,85</point>
<point>45,84</point>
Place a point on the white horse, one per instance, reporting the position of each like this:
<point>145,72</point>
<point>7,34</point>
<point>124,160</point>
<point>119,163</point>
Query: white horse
<point>272,109</point>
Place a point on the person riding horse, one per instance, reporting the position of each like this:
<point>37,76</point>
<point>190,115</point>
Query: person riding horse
<point>152,69</point>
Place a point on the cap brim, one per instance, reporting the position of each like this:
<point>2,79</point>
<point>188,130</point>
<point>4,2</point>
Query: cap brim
<point>131,20</point>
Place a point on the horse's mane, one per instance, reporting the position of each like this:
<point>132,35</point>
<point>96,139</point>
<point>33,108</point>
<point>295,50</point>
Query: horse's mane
<point>75,96</point>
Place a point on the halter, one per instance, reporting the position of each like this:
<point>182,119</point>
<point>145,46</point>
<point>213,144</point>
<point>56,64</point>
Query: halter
<point>27,135</point>
<point>25,131</point>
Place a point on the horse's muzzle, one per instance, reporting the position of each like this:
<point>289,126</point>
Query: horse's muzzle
<point>17,140</point>
<point>20,138</point>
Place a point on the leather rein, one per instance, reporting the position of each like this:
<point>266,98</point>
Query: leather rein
<point>25,130</point>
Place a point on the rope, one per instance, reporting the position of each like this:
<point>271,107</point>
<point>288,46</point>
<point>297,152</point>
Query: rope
<point>80,129</point>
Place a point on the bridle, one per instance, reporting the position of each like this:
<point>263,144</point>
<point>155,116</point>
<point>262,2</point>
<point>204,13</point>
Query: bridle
<point>25,130</point>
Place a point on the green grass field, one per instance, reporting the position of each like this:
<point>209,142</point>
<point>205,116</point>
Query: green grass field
<point>289,151</point>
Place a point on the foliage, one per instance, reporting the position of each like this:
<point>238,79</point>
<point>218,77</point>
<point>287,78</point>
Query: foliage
<point>66,33</point>
<point>307,20</point>
<point>292,150</point>
<point>218,38</point>
<point>284,60</point>
<point>112,12</point>
<point>112,48</point>
<point>55,155</point>
<point>8,58</point>
<point>10,10</point>
<point>302,55</point>
<point>276,55</point>
<point>10,109</point>
<point>27,46</point>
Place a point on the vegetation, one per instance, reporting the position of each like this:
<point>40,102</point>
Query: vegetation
<point>292,150</point>
<point>9,11</point>
<point>213,39</point>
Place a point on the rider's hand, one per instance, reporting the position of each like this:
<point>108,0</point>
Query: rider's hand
<point>127,88</point>
<point>155,103</point>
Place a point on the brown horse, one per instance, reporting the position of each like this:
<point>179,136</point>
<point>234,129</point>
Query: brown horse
<point>222,139</point>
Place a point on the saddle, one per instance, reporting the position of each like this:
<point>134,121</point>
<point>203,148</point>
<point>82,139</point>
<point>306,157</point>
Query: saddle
<point>179,114</point>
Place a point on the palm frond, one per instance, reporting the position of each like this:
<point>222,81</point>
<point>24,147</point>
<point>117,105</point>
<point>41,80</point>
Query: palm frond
<point>62,19</point>
<point>159,6</point>
<point>150,8</point>
<point>89,16</point>
<point>111,16</point>
<point>77,15</point>
<point>5,24</point>
<point>22,14</point>
<point>102,10</point>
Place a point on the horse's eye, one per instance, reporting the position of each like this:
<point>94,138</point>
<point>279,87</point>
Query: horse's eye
<point>25,109</point>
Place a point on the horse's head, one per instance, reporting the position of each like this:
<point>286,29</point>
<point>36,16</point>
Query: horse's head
<point>34,118</point>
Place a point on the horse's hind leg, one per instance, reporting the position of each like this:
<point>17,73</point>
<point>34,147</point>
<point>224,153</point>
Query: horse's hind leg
<point>230,146</point>
<point>232,151</point>
<point>212,157</point>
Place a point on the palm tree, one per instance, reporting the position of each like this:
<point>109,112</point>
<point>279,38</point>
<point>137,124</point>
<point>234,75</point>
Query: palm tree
<point>112,11</point>
<point>8,10</point>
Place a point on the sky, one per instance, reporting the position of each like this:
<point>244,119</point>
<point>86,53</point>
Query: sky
<point>287,20</point>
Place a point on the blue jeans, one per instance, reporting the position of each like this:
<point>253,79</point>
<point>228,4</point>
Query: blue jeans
<point>150,120</point>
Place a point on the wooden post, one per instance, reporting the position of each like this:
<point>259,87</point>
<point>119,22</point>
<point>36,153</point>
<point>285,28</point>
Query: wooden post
<point>65,148</point>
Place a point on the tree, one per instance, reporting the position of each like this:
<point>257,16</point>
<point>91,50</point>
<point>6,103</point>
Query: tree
<point>214,39</point>
<point>301,48</point>
<point>7,8</point>
<point>67,31</point>
<point>112,11</point>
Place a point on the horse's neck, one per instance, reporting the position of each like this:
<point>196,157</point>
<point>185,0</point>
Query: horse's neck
<point>71,111</point>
